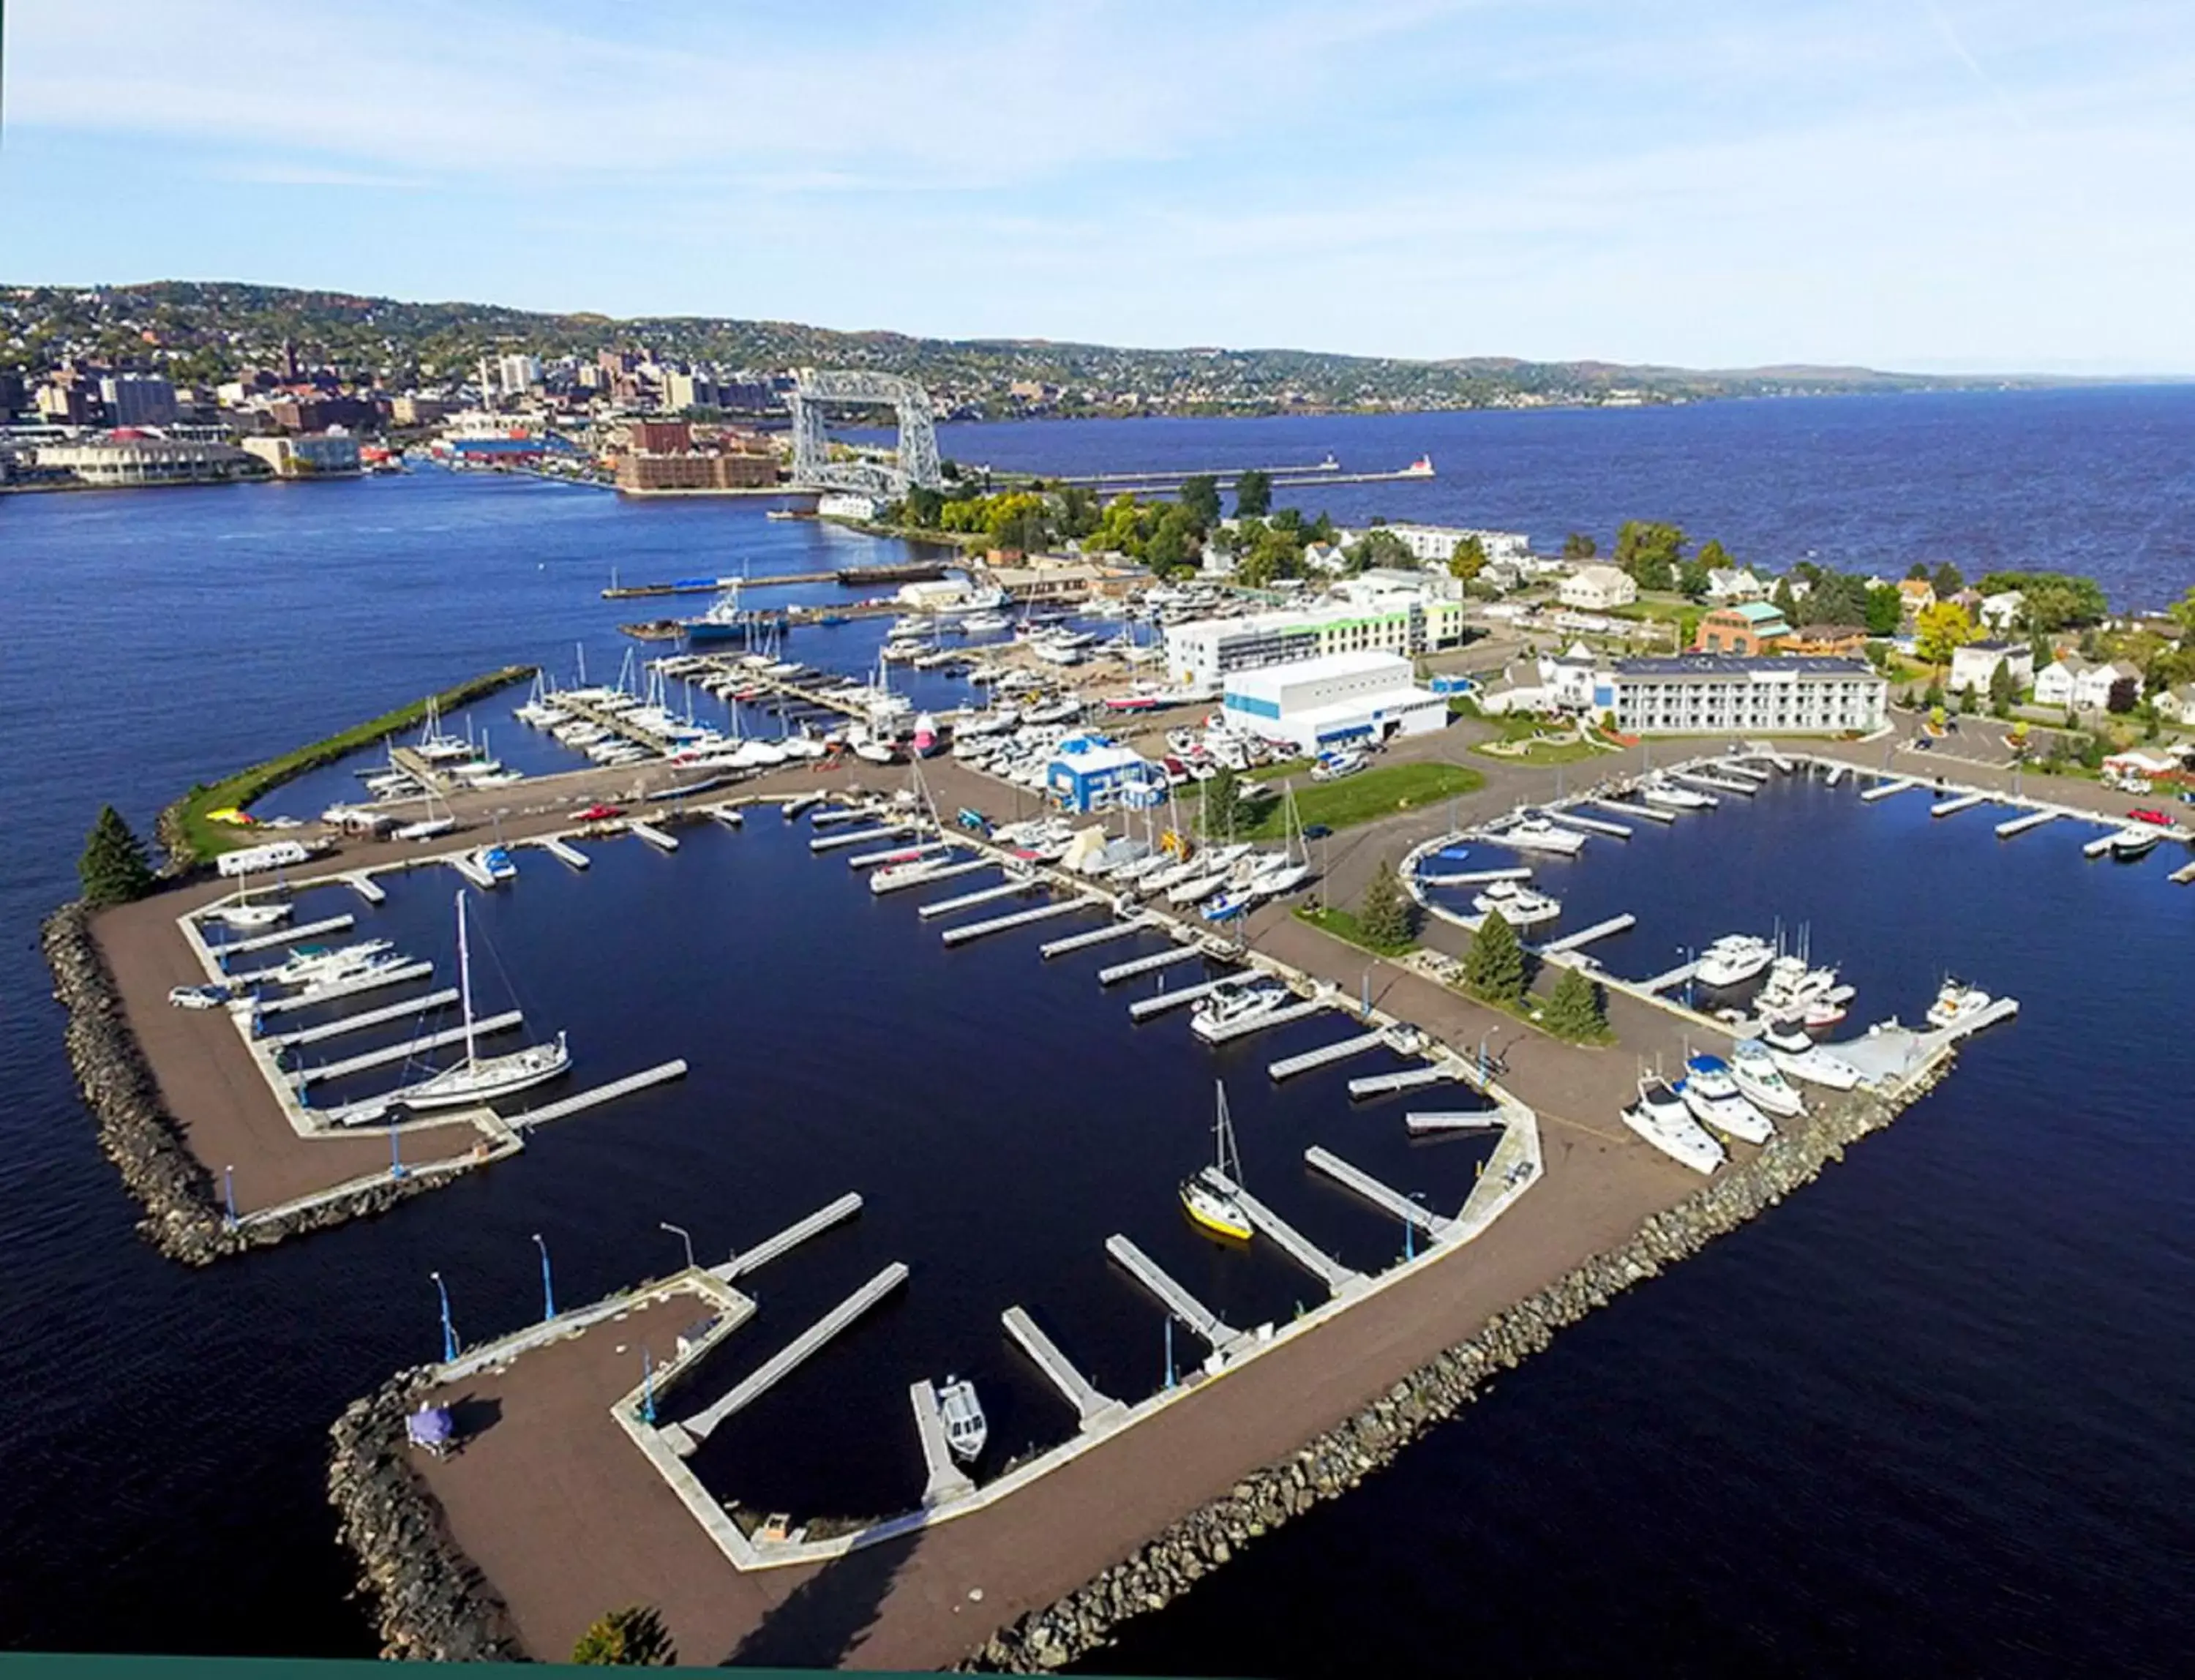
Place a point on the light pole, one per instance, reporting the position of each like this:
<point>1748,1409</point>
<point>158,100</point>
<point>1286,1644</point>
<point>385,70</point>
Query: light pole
<point>683,1236</point>
<point>646,1385</point>
<point>229,1193</point>
<point>449,1331</point>
<point>548,1289</point>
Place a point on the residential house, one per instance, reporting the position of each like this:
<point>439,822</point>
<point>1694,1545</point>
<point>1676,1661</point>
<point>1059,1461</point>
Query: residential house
<point>1750,628</point>
<point>1595,589</point>
<point>1727,584</point>
<point>1826,641</point>
<point>1974,667</point>
<point>2001,612</point>
<point>1327,557</point>
<point>2071,680</point>
<point>2177,706</point>
<point>1916,595</point>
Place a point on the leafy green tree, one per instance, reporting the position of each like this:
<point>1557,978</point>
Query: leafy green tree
<point>1494,968</point>
<point>1785,602</point>
<point>1175,539</point>
<point>632,1637</point>
<point>922,507</point>
<point>113,869</point>
<point>1693,580</point>
<point>1577,546</point>
<point>1650,551</point>
<point>1469,559</point>
<point>1253,494</point>
<point>1714,556</point>
<point>1200,496</point>
<point>1378,547</point>
<point>1385,914</point>
<point>1883,610</point>
<point>1320,530</point>
<point>1223,805</point>
<point>2183,612</point>
<point>1917,572</point>
<point>1079,512</point>
<point>1946,580</point>
<point>2125,695</point>
<point>2054,600</point>
<point>1576,1008</point>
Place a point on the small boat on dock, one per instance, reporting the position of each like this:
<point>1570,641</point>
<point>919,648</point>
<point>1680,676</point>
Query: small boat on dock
<point>2132,842</point>
<point>1210,1209</point>
<point>966,1427</point>
<point>1235,1003</point>
<point>1662,1117</point>
<point>1537,833</point>
<point>1672,796</point>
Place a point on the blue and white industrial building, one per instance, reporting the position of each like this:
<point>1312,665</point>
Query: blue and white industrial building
<point>1090,772</point>
<point>1331,702</point>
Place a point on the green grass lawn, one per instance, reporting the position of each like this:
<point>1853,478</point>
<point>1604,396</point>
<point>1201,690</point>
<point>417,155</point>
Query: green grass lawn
<point>1344,926</point>
<point>1364,797</point>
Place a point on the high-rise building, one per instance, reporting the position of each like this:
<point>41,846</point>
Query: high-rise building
<point>137,399</point>
<point>516,373</point>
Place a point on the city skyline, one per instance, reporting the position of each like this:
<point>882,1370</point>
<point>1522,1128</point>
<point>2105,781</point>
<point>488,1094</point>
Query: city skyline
<point>1917,186</point>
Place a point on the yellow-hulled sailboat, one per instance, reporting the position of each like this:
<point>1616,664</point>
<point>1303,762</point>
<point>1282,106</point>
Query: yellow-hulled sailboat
<point>1211,1209</point>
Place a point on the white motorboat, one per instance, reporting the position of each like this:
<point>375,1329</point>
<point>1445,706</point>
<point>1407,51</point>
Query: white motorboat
<point>319,964</point>
<point>1520,906</point>
<point>1710,1090</point>
<point>495,863</point>
<point>1753,1066</point>
<point>873,752</point>
<point>1536,833</point>
<point>1800,1057</point>
<point>478,1079</point>
<point>1733,959</point>
<point>243,915</point>
<point>965,1429</point>
<point>1672,795</point>
<point>2134,841</point>
<point>1956,1004</point>
<point>1236,1003</point>
<point>431,827</point>
<point>1660,1118</point>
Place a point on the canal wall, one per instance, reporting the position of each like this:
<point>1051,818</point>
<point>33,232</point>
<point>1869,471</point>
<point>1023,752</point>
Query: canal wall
<point>1333,1463</point>
<point>433,1605</point>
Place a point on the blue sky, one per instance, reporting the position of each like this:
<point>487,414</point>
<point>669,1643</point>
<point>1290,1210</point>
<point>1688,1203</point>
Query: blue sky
<point>1928,184</point>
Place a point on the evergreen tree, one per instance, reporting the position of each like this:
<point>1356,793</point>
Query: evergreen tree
<point>1575,1008</point>
<point>112,869</point>
<point>1223,805</point>
<point>1494,968</point>
<point>1386,915</point>
<point>1200,496</point>
<point>2002,689</point>
<point>633,1638</point>
<point>1577,546</point>
<point>1253,494</point>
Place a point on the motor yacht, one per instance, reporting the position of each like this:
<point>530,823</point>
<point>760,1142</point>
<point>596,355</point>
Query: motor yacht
<point>1536,833</point>
<point>1753,1066</point>
<point>1672,795</point>
<point>965,1429</point>
<point>1710,1090</point>
<point>1958,1004</point>
<point>2132,842</point>
<point>1662,1119</point>
<point>1800,1057</point>
<point>1235,1003</point>
<point>1520,906</point>
<point>1733,959</point>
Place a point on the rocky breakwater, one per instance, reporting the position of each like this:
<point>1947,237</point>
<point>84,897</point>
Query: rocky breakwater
<point>185,1216</point>
<point>1338,1460</point>
<point>433,1603</point>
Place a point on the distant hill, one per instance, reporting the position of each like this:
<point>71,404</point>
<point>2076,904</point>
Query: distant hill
<point>205,330</point>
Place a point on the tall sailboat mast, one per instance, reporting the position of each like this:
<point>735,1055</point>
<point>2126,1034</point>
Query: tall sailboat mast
<point>464,978</point>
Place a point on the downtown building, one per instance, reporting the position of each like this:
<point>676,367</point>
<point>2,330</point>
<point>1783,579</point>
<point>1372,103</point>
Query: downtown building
<point>1721,693</point>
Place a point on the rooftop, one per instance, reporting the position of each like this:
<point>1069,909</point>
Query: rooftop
<point>1366,663</point>
<point>1728,665</point>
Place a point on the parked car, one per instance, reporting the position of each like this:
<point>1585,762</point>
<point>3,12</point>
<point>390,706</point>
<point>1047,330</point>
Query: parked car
<point>2144,814</point>
<point>199,997</point>
<point>1316,831</point>
<point>601,813</point>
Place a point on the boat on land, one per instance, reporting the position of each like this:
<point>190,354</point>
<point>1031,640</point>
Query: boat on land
<point>1210,1209</point>
<point>1236,1003</point>
<point>1662,1117</point>
<point>1800,1057</point>
<point>1753,1065</point>
<point>478,1079</point>
<point>1710,1090</point>
<point>966,1427</point>
<point>1733,959</point>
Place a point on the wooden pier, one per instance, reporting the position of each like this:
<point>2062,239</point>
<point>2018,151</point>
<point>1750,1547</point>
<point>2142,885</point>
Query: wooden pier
<point>1420,1123</point>
<point>1953,806</point>
<point>563,850</point>
<point>1652,813</point>
<point>1325,1056</point>
<point>660,1074</point>
<point>1090,1406</point>
<point>1379,1195</point>
<point>823,843</point>
<point>1883,790</point>
<point>989,895</point>
<point>366,886</point>
<point>654,836</point>
<point>1590,824</point>
<point>1201,1320</point>
<point>999,924</point>
<point>1403,1079</point>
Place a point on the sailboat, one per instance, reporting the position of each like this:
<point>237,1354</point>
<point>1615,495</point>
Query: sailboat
<point>478,1079</point>
<point>1211,1209</point>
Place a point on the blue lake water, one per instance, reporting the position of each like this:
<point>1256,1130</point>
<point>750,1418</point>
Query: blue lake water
<point>1934,1412</point>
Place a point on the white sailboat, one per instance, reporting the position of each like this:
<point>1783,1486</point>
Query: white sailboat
<point>478,1079</point>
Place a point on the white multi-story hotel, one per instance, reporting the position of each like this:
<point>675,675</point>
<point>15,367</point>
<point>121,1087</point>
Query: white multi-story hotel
<point>1202,653</point>
<point>1436,545</point>
<point>1718,693</point>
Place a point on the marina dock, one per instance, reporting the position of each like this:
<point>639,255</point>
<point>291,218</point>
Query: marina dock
<point>1090,1405</point>
<point>685,1436</point>
<point>1095,936</point>
<point>1379,1195</point>
<point>1206,1324</point>
<point>1476,877</point>
<point>1586,936</point>
<point>366,886</point>
<point>1302,1011</point>
<point>729,814</point>
<point>654,836</point>
<point>1420,1123</point>
<point>290,936</point>
<point>794,1235</point>
<point>1957,803</point>
<point>1883,790</point>
<point>1721,784</point>
<point>402,1052</point>
<point>660,1074</point>
<point>898,854</point>
<point>399,975</point>
<point>1159,1002</point>
<point>823,843</point>
<point>563,852</point>
<point>1836,775</point>
<point>1146,965</point>
<point>944,1479</point>
<point>2183,875</point>
<point>1285,1237</point>
<point>1652,813</point>
<point>1403,1079</point>
<point>989,895</point>
<point>941,871</point>
<point>1674,977</point>
<point>999,924</point>
<point>394,1012</point>
<point>2020,825</point>
<point>1340,1051</point>
<point>1591,824</point>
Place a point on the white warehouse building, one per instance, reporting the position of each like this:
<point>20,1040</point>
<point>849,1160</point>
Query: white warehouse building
<point>1332,701</point>
<point>1723,694</point>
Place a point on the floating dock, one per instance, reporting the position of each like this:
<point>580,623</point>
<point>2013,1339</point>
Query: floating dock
<point>823,843</point>
<point>472,869</point>
<point>684,1436</point>
<point>941,871</point>
<point>2098,847</point>
<point>1836,775</point>
<point>1090,1405</point>
<point>1883,790</point>
<point>832,816</point>
<point>1723,784</point>
<point>1147,965</point>
<point>1285,1237</point>
<point>1675,976</point>
<point>1739,771</point>
<point>1300,1011</point>
<point>654,836</point>
<point>1095,936</point>
<point>1201,1320</point>
<point>944,1479</point>
<point>260,942</point>
<point>999,924</point>
<point>660,1074</point>
<point>1953,806</point>
<point>729,815</point>
<point>1403,1079</point>
<point>794,1235</point>
<point>2020,825</point>
<point>1379,1195</point>
<point>400,1053</point>
<point>393,1012</point>
<point>1159,1002</point>
<point>1590,824</point>
<point>1288,1066</point>
<point>1422,1124</point>
<point>397,976</point>
<point>1586,936</point>
<point>1473,877</point>
<point>1652,813</point>
<point>366,886</point>
<point>968,901</point>
<point>2183,875</point>
<point>904,854</point>
<point>562,851</point>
